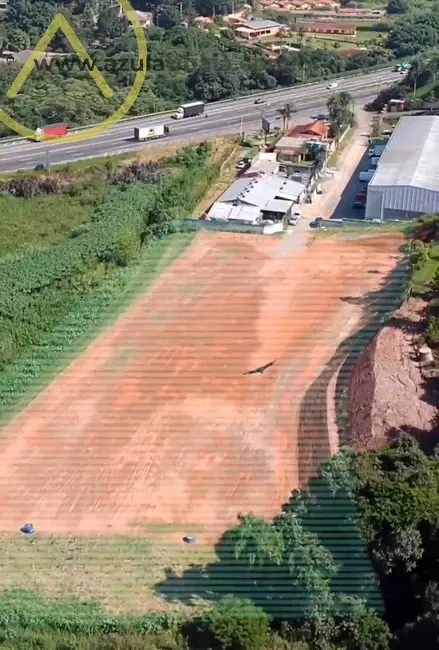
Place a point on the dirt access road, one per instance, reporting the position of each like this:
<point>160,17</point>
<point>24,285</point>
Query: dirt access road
<point>156,421</point>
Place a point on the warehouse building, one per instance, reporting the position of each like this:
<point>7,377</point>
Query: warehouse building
<point>405,184</point>
<point>255,200</point>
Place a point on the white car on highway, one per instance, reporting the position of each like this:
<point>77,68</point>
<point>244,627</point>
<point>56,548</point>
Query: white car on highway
<point>333,85</point>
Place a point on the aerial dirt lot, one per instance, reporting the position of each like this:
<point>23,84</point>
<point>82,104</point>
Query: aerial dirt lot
<point>157,424</point>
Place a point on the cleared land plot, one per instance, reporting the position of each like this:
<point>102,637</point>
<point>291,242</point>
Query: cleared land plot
<point>156,432</point>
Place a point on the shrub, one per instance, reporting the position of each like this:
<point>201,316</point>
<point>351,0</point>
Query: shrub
<point>419,253</point>
<point>237,624</point>
<point>433,330</point>
<point>147,171</point>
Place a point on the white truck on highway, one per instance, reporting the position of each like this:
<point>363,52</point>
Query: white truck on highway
<point>150,132</point>
<point>189,110</point>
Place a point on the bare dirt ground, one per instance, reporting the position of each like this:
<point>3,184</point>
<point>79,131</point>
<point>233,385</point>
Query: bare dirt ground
<point>386,388</point>
<point>157,424</point>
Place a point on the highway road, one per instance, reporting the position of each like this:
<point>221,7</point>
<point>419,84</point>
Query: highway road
<point>227,117</point>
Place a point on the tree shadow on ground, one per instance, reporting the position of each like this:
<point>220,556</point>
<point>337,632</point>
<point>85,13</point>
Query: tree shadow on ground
<point>333,518</point>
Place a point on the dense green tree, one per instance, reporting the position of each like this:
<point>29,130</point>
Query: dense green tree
<point>341,111</point>
<point>398,6</point>
<point>237,624</point>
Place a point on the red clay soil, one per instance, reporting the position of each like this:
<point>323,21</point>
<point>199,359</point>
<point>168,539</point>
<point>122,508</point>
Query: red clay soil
<point>156,421</point>
<point>386,388</point>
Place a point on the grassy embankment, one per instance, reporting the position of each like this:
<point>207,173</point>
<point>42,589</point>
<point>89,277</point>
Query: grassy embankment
<point>72,258</point>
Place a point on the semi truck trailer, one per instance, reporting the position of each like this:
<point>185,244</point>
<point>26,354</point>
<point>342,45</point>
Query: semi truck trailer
<point>52,130</point>
<point>144,133</point>
<point>189,110</point>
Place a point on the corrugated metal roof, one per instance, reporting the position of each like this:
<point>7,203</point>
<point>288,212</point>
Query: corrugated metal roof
<point>234,190</point>
<point>259,191</point>
<point>406,199</point>
<point>228,212</point>
<point>410,158</point>
<point>278,205</point>
<point>260,24</point>
<point>248,213</point>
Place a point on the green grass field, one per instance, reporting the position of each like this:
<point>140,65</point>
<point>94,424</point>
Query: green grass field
<point>120,572</point>
<point>45,219</point>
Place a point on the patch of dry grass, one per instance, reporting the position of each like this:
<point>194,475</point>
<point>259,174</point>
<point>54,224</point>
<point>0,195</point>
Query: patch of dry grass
<point>227,153</point>
<point>118,571</point>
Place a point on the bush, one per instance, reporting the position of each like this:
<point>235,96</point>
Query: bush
<point>433,330</point>
<point>149,172</point>
<point>419,253</point>
<point>235,624</point>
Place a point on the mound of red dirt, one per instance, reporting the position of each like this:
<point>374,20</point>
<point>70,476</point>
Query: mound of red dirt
<point>386,388</point>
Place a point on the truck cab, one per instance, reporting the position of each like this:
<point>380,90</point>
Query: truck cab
<point>179,113</point>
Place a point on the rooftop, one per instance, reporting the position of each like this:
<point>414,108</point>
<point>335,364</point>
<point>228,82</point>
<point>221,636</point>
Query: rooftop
<point>260,24</point>
<point>410,158</point>
<point>260,191</point>
<point>317,129</point>
<point>264,162</point>
<point>296,143</point>
<point>228,212</point>
<point>323,24</point>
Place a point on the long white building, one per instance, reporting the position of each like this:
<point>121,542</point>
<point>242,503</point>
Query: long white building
<point>405,184</point>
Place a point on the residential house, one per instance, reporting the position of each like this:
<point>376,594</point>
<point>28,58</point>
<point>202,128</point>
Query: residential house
<point>257,199</point>
<point>22,56</point>
<point>243,14</point>
<point>206,20</point>
<point>254,29</point>
<point>293,150</point>
<point>325,4</point>
<point>146,18</point>
<point>325,27</point>
<point>300,5</point>
<point>365,14</point>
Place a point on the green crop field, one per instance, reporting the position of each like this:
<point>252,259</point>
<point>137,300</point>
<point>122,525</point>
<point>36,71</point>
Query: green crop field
<point>46,219</point>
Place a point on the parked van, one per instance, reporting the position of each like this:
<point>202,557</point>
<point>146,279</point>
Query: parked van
<point>365,177</point>
<point>295,215</point>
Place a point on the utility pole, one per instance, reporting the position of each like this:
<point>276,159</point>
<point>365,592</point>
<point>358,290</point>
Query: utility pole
<point>303,72</point>
<point>181,10</point>
<point>47,163</point>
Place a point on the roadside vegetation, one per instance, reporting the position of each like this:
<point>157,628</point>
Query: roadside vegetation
<point>424,258</point>
<point>52,295</point>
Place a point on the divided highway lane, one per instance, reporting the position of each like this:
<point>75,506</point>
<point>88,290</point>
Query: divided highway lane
<point>223,117</point>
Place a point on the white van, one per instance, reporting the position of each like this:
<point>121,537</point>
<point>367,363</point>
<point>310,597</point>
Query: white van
<point>295,215</point>
<point>365,177</point>
<point>333,85</point>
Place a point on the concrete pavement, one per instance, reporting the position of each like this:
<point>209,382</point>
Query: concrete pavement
<point>228,117</point>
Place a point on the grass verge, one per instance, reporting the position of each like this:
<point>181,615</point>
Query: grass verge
<point>335,156</point>
<point>356,230</point>
<point>425,273</point>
